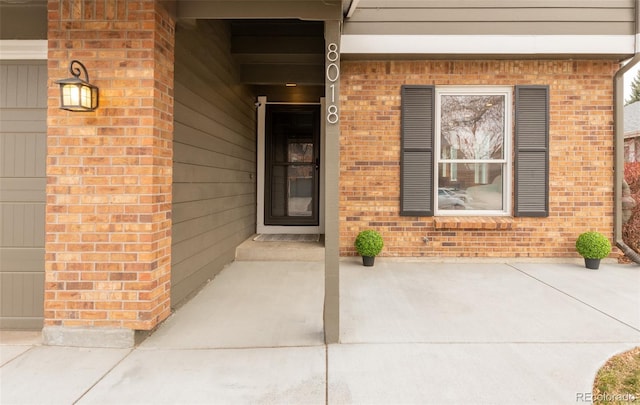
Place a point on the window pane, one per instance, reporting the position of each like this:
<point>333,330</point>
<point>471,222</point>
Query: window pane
<point>292,191</point>
<point>300,190</point>
<point>472,126</point>
<point>278,191</point>
<point>301,152</point>
<point>475,186</point>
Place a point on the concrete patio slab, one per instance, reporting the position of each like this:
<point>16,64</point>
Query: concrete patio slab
<point>405,302</point>
<point>413,332</point>
<point>8,353</point>
<point>595,287</point>
<point>465,373</point>
<point>294,375</point>
<point>251,250</point>
<point>55,375</point>
<point>14,343</point>
<point>251,304</point>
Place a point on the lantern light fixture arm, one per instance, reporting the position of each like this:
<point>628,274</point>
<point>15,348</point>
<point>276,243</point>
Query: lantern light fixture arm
<point>78,70</point>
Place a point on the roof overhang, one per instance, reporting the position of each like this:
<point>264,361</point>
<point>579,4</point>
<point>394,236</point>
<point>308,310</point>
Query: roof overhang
<point>318,10</point>
<point>503,46</point>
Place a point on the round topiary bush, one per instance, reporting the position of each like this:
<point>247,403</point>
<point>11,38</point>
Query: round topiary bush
<point>369,243</point>
<point>593,245</point>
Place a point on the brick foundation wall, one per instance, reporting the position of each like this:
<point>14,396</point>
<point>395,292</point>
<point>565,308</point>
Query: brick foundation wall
<point>581,159</point>
<point>109,172</point>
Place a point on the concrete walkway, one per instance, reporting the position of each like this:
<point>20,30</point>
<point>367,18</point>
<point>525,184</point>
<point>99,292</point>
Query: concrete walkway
<point>411,332</point>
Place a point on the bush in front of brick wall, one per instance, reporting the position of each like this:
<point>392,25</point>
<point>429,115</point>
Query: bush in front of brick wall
<point>631,229</point>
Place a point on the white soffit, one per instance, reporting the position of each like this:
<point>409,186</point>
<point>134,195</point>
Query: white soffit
<point>12,49</point>
<point>488,44</point>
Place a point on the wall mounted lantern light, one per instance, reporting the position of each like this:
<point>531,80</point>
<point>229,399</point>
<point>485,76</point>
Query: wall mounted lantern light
<point>77,94</point>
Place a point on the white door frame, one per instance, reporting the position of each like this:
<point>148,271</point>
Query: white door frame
<point>261,159</point>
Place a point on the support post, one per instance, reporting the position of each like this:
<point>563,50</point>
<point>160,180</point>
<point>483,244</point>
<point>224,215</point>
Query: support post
<point>332,178</point>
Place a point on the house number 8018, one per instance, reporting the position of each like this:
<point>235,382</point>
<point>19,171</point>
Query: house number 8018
<point>333,73</point>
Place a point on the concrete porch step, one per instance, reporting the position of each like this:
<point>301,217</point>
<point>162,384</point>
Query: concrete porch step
<point>281,250</point>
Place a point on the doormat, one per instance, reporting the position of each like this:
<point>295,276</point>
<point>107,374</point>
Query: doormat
<point>281,237</point>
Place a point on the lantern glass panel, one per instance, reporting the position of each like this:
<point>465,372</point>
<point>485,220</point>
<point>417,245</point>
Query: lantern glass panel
<point>71,95</point>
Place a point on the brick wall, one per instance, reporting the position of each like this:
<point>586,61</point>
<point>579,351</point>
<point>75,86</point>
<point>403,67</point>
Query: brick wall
<point>581,158</point>
<point>108,213</point>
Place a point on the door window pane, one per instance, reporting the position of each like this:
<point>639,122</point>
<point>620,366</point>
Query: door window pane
<point>278,191</point>
<point>301,152</point>
<point>300,191</point>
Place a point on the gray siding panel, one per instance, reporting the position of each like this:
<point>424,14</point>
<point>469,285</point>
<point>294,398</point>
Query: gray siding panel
<point>194,155</point>
<point>22,154</point>
<point>21,288</point>
<point>211,214</point>
<point>199,241</point>
<point>195,192</point>
<point>21,225</point>
<point>198,264</point>
<point>493,17</point>
<point>199,137</point>
<point>23,98</point>
<point>25,85</point>
<point>184,172</point>
<point>20,308</point>
<point>214,191</point>
<point>25,189</point>
<point>22,260</point>
<point>11,122</point>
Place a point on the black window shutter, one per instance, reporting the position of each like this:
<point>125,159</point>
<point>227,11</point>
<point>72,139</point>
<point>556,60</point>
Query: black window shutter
<point>532,151</point>
<point>416,161</point>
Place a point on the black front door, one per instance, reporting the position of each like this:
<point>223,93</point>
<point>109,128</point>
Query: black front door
<point>292,164</point>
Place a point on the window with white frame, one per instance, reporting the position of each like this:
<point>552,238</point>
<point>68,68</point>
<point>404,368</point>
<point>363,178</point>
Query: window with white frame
<point>472,150</point>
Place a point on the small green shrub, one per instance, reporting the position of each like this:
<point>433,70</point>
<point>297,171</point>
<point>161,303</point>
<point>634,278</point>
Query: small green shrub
<point>369,243</point>
<point>593,245</point>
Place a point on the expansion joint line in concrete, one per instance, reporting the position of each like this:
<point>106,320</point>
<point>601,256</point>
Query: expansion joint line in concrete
<point>326,374</point>
<point>18,356</point>
<point>103,376</point>
<point>572,297</point>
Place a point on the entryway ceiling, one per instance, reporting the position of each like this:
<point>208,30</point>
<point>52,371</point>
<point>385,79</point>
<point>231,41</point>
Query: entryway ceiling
<point>319,10</point>
<point>276,52</point>
<point>274,43</point>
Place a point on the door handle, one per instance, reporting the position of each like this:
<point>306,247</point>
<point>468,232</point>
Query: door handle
<point>317,163</point>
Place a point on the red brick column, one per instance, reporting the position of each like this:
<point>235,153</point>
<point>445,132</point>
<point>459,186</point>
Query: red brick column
<point>109,172</point>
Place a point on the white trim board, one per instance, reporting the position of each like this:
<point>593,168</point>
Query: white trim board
<point>488,44</point>
<point>16,49</point>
